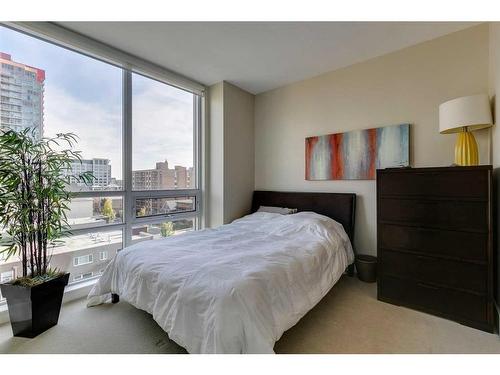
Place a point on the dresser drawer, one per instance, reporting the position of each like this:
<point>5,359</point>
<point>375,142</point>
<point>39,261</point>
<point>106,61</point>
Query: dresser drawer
<point>461,245</point>
<point>454,274</point>
<point>432,299</point>
<point>457,215</point>
<point>437,184</point>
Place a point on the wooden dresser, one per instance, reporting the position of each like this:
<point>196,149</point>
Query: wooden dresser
<point>434,242</point>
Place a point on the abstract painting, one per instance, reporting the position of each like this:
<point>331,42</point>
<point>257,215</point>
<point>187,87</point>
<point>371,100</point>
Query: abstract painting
<point>355,155</point>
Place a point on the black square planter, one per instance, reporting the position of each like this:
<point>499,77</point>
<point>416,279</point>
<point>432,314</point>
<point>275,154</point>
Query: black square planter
<point>33,310</point>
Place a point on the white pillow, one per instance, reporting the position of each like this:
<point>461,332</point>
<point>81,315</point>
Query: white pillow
<point>277,210</point>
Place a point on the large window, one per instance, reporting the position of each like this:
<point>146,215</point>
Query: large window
<point>137,135</point>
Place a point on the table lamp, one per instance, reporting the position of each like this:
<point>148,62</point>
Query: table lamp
<point>463,115</point>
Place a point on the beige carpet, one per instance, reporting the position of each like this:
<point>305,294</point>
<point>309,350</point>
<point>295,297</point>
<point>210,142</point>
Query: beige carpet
<point>348,320</point>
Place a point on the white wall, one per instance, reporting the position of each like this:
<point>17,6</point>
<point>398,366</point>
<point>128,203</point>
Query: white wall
<point>405,86</point>
<point>239,148</point>
<point>215,175</point>
<point>232,173</point>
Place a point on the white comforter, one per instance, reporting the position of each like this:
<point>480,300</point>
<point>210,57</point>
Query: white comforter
<point>234,289</point>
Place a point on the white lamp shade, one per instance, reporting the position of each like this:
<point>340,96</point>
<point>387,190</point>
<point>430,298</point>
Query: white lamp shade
<point>474,112</point>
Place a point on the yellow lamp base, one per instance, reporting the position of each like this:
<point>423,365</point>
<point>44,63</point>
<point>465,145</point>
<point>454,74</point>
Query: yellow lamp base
<point>466,149</point>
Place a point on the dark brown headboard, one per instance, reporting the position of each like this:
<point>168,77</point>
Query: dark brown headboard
<point>339,206</point>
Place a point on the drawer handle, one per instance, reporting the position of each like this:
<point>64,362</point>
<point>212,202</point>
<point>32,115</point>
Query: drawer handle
<point>427,286</point>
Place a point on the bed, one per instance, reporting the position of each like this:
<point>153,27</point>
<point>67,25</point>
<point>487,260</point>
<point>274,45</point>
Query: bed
<point>237,288</point>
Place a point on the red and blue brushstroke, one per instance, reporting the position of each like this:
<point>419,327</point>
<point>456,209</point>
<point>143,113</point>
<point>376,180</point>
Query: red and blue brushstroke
<point>356,155</point>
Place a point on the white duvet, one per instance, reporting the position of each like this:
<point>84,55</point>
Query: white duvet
<point>234,289</point>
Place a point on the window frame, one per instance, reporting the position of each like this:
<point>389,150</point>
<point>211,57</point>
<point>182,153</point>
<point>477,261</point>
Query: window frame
<point>128,195</point>
<point>129,65</point>
<point>131,195</point>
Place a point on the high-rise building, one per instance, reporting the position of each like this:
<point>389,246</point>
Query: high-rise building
<point>100,168</point>
<point>21,96</point>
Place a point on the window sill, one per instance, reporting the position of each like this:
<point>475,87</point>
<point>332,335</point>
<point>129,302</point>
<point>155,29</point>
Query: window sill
<point>71,293</point>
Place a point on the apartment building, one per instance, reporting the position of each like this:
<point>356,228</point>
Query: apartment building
<point>21,96</point>
<point>162,177</point>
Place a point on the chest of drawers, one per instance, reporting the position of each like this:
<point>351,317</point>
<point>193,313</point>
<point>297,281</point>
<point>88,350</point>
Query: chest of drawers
<point>435,242</point>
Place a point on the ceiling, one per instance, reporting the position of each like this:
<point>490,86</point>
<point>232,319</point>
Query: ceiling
<point>260,56</point>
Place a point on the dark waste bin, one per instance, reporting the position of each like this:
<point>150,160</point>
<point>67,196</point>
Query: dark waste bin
<point>366,267</point>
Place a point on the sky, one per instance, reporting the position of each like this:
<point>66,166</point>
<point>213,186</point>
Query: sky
<point>84,96</point>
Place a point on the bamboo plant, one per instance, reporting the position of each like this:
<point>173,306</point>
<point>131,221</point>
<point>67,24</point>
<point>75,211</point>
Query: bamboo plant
<point>35,197</point>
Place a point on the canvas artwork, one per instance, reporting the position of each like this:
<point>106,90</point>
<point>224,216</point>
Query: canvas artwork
<point>355,155</point>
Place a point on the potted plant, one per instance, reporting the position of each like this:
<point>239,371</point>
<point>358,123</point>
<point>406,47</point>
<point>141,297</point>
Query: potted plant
<point>34,199</point>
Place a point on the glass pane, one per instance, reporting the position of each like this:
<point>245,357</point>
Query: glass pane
<point>95,211</point>
<point>160,230</point>
<point>84,256</point>
<point>162,136</point>
<point>161,206</point>
<point>54,90</point>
